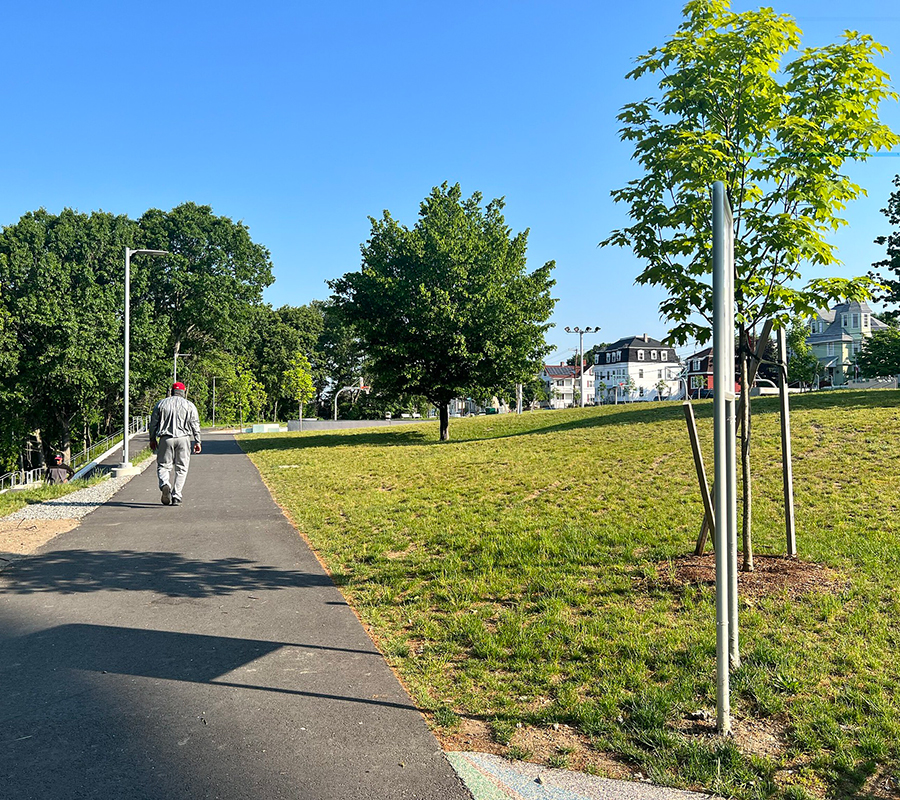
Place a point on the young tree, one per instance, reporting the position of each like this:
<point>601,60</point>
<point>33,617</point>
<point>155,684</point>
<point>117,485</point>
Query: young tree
<point>880,354</point>
<point>298,382</point>
<point>447,306</point>
<point>777,134</point>
<point>891,286</point>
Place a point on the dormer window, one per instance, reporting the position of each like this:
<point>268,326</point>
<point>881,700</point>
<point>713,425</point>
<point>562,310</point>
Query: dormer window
<point>663,355</point>
<point>654,355</point>
<point>865,320</point>
<point>640,355</point>
<point>855,319</point>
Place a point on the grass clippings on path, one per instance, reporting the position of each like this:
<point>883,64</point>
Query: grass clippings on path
<point>526,576</point>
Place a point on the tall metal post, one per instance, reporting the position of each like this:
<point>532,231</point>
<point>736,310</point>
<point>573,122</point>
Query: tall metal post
<point>126,461</point>
<point>787,467</point>
<point>723,415</point>
<point>125,468</point>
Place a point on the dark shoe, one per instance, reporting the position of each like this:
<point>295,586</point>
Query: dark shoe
<point>166,495</point>
<point>176,501</point>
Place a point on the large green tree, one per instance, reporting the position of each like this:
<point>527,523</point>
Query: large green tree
<point>62,278</point>
<point>880,354</point>
<point>891,286</point>
<point>447,307</point>
<point>730,107</point>
<point>215,274</point>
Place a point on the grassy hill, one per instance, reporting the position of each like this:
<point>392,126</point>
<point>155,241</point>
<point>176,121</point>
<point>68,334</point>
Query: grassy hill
<point>527,581</point>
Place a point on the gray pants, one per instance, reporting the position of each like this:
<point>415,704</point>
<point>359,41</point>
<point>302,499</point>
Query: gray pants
<point>177,452</point>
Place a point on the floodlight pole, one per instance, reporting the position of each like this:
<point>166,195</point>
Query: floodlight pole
<point>725,464</point>
<point>125,468</point>
<point>581,332</point>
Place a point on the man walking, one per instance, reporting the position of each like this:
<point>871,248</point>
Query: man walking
<point>173,425</point>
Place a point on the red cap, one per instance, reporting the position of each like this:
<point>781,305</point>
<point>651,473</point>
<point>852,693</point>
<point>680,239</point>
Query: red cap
<point>178,385</point>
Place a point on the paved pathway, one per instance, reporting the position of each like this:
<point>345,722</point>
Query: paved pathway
<point>198,652</point>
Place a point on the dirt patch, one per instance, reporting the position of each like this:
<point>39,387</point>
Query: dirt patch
<point>773,575</point>
<point>764,738</point>
<point>20,537</point>
<point>556,746</point>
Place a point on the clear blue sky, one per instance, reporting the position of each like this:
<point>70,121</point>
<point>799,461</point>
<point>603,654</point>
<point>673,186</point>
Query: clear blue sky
<point>302,119</point>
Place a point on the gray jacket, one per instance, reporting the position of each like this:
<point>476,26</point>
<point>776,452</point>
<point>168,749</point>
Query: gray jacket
<point>175,416</point>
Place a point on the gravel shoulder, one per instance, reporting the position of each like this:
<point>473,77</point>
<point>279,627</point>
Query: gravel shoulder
<point>29,528</point>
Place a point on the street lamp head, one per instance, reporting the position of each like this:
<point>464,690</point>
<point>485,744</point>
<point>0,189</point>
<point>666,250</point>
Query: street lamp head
<point>152,252</point>
<point>568,329</point>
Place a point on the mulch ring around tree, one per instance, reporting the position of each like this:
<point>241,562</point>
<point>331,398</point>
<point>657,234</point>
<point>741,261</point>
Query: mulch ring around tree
<point>773,575</point>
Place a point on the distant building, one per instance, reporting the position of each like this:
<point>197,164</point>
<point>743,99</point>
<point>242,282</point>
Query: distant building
<point>836,336</point>
<point>699,372</point>
<point>636,368</point>
<point>563,384</point>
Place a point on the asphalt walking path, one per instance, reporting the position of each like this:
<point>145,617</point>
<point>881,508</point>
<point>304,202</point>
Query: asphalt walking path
<point>198,651</point>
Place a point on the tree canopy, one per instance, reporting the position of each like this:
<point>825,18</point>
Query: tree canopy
<point>776,132</point>
<point>447,307</point>
<point>891,286</point>
<point>880,354</point>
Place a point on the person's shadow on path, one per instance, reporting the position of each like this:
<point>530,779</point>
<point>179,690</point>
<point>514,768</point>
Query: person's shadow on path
<point>172,574</point>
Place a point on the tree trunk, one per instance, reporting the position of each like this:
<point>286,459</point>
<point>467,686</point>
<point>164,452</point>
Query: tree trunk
<point>747,516</point>
<point>275,412</point>
<point>445,421</point>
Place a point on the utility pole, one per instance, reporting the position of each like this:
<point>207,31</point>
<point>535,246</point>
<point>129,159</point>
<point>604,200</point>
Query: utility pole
<point>581,332</point>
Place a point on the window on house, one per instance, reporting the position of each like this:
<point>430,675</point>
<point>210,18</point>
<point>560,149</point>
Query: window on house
<point>855,320</point>
<point>843,320</point>
<point>696,381</point>
<point>640,355</point>
<point>664,355</point>
<point>865,320</point>
<point>696,365</point>
<point>659,374</point>
<point>654,355</point>
<point>641,392</point>
<point>640,373</point>
<point>812,326</point>
<point>830,349</point>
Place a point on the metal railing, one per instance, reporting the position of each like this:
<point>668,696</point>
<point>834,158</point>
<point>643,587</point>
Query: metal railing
<point>23,477</point>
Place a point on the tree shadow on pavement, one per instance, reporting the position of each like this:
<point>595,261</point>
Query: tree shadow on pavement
<point>170,574</point>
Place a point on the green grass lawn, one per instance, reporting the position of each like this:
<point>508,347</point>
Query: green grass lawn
<point>511,575</point>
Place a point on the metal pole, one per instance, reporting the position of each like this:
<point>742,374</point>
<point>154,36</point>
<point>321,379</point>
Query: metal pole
<point>128,251</point>
<point>723,371</point>
<point>787,466</point>
<point>581,367</point>
<point>214,401</point>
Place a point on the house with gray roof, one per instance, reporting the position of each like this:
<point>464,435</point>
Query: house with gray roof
<point>837,335</point>
<point>636,368</point>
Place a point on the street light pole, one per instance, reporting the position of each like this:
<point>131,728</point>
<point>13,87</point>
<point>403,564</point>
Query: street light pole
<point>125,467</point>
<point>214,398</point>
<point>581,332</point>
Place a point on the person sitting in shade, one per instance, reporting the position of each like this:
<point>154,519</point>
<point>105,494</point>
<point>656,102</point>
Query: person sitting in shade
<point>174,424</point>
<point>59,471</point>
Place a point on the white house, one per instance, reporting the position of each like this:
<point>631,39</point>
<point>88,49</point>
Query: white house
<point>563,384</point>
<point>636,368</point>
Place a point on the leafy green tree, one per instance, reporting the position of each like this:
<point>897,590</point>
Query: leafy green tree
<point>298,382</point>
<point>880,354</point>
<point>63,288</point>
<point>447,306</point>
<point>777,133</point>
<point>203,292</point>
<point>891,286</point>
<point>803,366</point>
